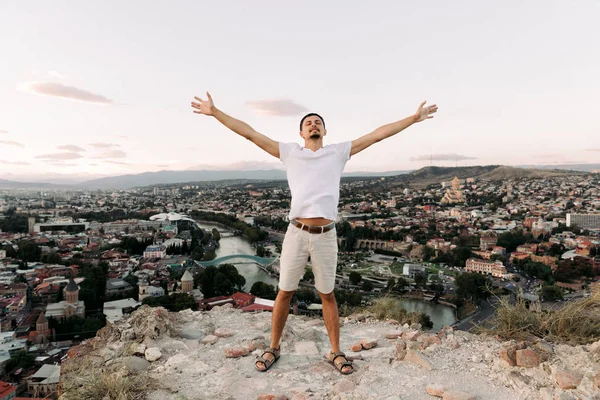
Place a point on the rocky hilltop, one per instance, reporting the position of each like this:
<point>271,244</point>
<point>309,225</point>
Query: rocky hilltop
<point>157,355</point>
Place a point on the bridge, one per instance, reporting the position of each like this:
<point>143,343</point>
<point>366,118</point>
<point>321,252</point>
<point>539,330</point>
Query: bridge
<point>255,259</point>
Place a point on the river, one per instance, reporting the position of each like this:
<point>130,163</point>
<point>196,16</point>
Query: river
<point>440,315</point>
<point>239,245</point>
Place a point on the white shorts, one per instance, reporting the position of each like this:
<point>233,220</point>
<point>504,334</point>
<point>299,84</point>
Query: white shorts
<point>297,246</point>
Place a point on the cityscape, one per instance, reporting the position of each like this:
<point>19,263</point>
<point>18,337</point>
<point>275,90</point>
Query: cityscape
<point>74,260</point>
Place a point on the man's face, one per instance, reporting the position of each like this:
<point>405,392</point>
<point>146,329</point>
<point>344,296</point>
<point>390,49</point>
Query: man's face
<point>312,128</point>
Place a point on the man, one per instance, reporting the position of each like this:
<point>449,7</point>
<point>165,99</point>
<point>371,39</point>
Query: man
<point>314,172</point>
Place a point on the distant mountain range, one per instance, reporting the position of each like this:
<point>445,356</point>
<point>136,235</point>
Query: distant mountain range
<point>492,172</point>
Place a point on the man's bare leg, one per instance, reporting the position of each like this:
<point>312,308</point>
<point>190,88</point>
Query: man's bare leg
<point>332,323</point>
<point>281,309</point>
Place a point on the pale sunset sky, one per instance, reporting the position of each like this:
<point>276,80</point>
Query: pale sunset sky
<point>94,88</point>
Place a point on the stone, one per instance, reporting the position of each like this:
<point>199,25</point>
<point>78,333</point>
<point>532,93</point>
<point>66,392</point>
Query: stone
<point>189,333</point>
<point>223,333</point>
<point>567,379</point>
<point>546,393</point>
<point>344,385</point>
<point>306,349</point>
<point>435,389</point>
<point>458,396</point>
<point>392,321</point>
<point>401,354</point>
<point>597,380</point>
<point>135,364</point>
<point>527,358</point>
<point>236,352</point>
<point>453,344</point>
<point>509,355</point>
<point>394,334</point>
<point>137,349</point>
<point>368,344</point>
<point>419,359</point>
<point>356,347</point>
<point>269,396</point>
<point>210,339</point>
<point>416,326</point>
<point>152,354</point>
<point>401,344</point>
<point>429,341</point>
<point>411,336</point>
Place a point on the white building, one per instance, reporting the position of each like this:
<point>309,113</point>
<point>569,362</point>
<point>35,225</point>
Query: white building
<point>2,254</point>
<point>155,252</point>
<point>584,221</point>
<point>494,268</point>
<point>413,269</point>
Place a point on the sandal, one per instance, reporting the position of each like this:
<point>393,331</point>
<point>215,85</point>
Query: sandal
<point>267,362</point>
<point>331,357</point>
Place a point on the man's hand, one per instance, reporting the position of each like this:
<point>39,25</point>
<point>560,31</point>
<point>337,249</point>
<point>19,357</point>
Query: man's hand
<point>205,107</point>
<point>424,113</point>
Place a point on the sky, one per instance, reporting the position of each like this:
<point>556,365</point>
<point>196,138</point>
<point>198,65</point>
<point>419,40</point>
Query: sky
<point>99,88</point>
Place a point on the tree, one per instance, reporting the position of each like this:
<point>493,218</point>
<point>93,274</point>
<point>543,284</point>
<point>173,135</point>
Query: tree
<point>309,276</point>
<point>306,294</point>
<point>51,258</point>
<point>421,280</point>
<point>401,283</point>
<point>221,281</point>
<point>216,235</point>
<point>20,359</point>
<point>472,285</point>
<point>198,253</point>
<point>552,293</point>
<point>391,283</point>
<point>260,251</point>
<point>263,290</point>
<point>10,251</point>
<point>29,251</point>
<point>355,277</point>
<point>367,286</point>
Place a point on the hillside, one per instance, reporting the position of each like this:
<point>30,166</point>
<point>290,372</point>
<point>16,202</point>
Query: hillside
<point>157,355</point>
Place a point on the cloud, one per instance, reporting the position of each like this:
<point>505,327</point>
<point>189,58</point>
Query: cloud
<point>59,90</point>
<point>11,143</point>
<point>56,74</point>
<point>442,157</point>
<point>118,162</point>
<point>59,156</point>
<point>2,131</point>
<point>112,154</point>
<point>592,149</point>
<point>70,147</point>
<point>61,164</point>
<point>14,162</point>
<point>277,107</point>
<point>102,145</point>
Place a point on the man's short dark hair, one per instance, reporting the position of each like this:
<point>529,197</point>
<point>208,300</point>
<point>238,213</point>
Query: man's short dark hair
<point>310,115</point>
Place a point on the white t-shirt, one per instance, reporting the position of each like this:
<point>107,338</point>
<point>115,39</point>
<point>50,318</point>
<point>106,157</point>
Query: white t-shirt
<point>314,178</point>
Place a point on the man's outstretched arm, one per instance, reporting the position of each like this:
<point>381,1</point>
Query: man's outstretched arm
<point>385,131</point>
<point>207,107</point>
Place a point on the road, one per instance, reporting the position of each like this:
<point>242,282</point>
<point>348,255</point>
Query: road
<point>487,310</point>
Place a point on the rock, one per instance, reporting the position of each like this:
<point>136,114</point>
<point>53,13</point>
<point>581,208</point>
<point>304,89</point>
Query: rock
<point>597,380</point>
<point>401,354</point>
<point>416,326</point>
<point>271,397</point>
<point>210,339</point>
<point>419,359</point>
<point>223,333</point>
<point>430,340</point>
<point>134,364</point>
<point>152,354</point>
<point>236,352</point>
<point>394,334</point>
<point>392,321</point>
<point>137,349</point>
<point>401,344</point>
<point>344,385</point>
<point>457,396</point>
<point>306,349</point>
<point>567,379</point>
<point>189,333</point>
<point>356,347</point>
<point>453,344</point>
<point>509,355</point>
<point>368,344</point>
<point>527,358</point>
<point>358,317</point>
<point>411,336</point>
<point>435,389</point>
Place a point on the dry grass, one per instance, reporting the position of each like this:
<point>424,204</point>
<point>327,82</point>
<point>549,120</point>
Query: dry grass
<point>85,381</point>
<point>578,322</point>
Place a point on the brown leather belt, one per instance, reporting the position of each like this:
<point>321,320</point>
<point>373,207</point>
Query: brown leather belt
<point>313,229</point>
